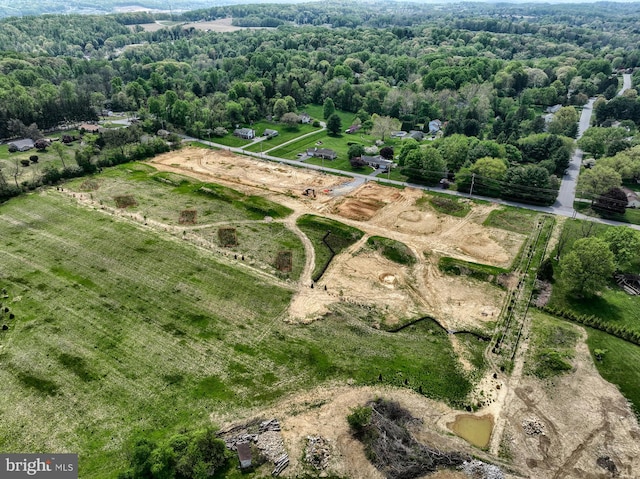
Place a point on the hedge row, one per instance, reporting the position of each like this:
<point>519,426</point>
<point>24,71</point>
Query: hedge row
<point>596,323</point>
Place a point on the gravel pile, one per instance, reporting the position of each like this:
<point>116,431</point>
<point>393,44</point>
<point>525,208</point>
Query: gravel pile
<point>271,445</point>
<point>533,427</point>
<point>479,470</point>
<point>318,452</point>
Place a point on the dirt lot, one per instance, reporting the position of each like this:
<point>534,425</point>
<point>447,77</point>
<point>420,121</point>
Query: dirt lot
<point>583,417</point>
<point>578,418</point>
<point>222,25</point>
<point>360,275</point>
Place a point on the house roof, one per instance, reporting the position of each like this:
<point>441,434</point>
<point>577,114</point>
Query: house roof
<point>378,160</point>
<point>244,451</point>
<point>25,142</point>
<point>267,131</point>
<point>631,195</point>
<point>243,131</point>
<point>324,151</point>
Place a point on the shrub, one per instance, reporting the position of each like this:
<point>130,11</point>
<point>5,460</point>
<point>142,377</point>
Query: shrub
<point>24,163</point>
<point>33,158</point>
<point>359,418</point>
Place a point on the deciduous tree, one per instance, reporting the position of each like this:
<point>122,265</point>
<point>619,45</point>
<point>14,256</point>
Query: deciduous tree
<point>334,124</point>
<point>624,243</point>
<point>588,266</point>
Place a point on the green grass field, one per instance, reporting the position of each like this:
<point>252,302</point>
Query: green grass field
<point>631,215</point>
<point>163,196</point>
<point>392,250</point>
<point>513,219</point>
<point>620,364</point>
<point>122,331</point>
<point>341,236</point>
<point>613,305</point>
<point>284,134</point>
<point>552,346</point>
<point>49,157</point>
<point>317,112</point>
<point>230,140</point>
<point>447,204</point>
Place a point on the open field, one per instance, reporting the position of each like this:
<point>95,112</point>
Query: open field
<point>221,25</point>
<point>144,333</point>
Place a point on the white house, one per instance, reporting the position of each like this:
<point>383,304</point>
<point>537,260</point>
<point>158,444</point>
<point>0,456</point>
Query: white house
<point>245,133</point>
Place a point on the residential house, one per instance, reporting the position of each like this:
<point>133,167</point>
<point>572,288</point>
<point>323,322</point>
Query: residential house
<point>398,134</point>
<point>416,135</point>
<point>244,454</point>
<point>270,133</point>
<point>352,129</point>
<point>245,133</point>
<point>324,153</point>
<point>633,201</point>
<point>21,145</point>
<point>435,126</point>
<point>377,162</point>
<point>89,128</point>
<point>305,118</point>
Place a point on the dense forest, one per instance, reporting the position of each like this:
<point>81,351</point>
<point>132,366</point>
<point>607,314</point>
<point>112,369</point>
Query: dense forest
<point>486,72</point>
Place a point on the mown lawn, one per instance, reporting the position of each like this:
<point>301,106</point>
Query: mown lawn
<point>122,331</point>
<point>317,113</point>
<point>285,134</point>
<point>631,215</point>
<point>230,140</point>
<point>45,158</point>
<point>613,305</point>
<point>620,364</point>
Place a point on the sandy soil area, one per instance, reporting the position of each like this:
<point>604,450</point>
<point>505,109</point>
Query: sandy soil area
<point>583,418</point>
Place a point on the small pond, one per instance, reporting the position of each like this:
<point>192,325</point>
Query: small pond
<point>473,429</point>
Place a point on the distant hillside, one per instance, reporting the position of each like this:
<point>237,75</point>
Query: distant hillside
<point>17,8</point>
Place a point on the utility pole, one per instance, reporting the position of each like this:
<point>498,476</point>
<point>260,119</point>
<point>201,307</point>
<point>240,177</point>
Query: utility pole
<point>473,178</point>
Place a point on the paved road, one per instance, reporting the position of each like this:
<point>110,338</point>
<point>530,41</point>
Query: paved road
<point>626,83</point>
<point>567,193</point>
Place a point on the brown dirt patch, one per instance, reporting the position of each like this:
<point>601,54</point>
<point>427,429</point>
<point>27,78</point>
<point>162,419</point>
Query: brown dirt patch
<point>366,201</point>
<point>323,412</point>
<point>238,171</point>
<point>583,418</point>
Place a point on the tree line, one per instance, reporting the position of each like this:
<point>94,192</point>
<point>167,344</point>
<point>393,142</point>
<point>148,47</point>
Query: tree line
<point>483,81</point>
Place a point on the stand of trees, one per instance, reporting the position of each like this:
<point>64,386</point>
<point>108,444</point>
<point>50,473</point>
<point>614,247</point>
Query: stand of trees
<point>403,67</point>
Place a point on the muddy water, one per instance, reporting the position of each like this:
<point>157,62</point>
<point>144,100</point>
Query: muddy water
<point>474,429</point>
